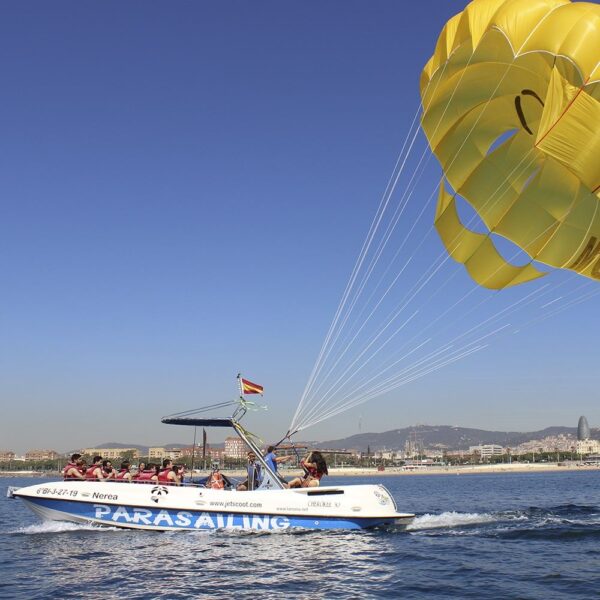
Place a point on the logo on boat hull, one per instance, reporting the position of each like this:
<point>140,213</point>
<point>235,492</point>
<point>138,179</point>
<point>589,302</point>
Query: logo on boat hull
<point>187,520</point>
<point>157,491</point>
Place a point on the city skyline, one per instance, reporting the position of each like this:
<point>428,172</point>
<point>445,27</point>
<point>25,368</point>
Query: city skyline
<point>417,429</point>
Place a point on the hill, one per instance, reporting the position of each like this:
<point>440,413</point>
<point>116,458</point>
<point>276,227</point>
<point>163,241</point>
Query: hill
<point>429,436</point>
<point>452,438</point>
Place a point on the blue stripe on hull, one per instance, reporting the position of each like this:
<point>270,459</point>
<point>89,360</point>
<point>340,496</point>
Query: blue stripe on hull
<point>163,519</point>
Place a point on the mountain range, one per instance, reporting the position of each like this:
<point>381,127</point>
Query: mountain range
<point>447,436</point>
<point>429,436</point>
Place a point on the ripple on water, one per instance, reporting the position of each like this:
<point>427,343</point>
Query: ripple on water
<point>477,537</point>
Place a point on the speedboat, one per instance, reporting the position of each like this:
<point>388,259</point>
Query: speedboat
<point>160,507</point>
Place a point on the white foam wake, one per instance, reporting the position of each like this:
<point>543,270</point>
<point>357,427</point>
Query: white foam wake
<point>59,527</point>
<point>450,519</point>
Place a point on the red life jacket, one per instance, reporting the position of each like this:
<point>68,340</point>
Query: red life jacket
<point>163,476</point>
<point>145,475</point>
<point>89,474</point>
<point>121,474</point>
<point>68,468</point>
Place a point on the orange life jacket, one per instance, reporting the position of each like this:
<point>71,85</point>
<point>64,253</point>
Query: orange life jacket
<point>216,481</point>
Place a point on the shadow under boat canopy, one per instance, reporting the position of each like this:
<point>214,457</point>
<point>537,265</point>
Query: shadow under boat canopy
<point>271,480</point>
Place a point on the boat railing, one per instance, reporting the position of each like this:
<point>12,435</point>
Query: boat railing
<point>194,484</point>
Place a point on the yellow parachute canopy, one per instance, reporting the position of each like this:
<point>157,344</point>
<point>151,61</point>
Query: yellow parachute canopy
<point>511,109</point>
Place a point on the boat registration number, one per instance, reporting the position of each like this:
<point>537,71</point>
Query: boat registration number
<point>56,492</point>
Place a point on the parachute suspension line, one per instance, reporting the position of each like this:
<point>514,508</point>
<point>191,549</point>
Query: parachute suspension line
<point>367,245</point>
<point>374,225</point>
<point>432,359</point>
<point>402,157</point>
<point>324,398</point>
<point>411,295</point>
<point>397,253</point>
<point>400,206</point>
<point>446,347</point>
<point>390,320</point>
<point>398,379</point>
<point>382,245</point>
<point>536,294</point>
<point>390,228</point>
<point>348,344</point>
<point>406,196</point>
<point>327,394</point>
<point>408,379</point>
<point>362,285</point>
<point>378,390</point>
<point>560,309</point>
<point>462,335</point>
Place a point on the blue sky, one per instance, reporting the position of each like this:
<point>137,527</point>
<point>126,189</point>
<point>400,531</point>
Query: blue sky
<point>185,189</point>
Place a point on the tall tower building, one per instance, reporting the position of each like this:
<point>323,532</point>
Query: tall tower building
<point>583,429</point>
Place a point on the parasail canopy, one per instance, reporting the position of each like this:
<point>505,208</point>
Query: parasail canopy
<point>511,109</point>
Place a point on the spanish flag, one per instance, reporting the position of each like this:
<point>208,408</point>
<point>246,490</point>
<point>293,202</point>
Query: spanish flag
<point>247,387</point>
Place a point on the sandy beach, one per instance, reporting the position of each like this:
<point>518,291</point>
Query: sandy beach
<point>388,472</point>
<point>463,470</point>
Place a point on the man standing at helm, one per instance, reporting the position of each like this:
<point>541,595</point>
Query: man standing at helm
<point>273,460</point>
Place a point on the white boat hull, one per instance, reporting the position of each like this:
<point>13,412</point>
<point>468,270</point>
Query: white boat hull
<point>166,508</point>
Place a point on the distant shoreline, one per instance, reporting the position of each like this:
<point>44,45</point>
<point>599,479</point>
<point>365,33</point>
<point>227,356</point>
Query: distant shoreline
<point>388,472</point>
<point>464,470</point>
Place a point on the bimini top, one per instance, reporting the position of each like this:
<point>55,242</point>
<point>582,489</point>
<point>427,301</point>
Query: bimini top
<point>198,422</point>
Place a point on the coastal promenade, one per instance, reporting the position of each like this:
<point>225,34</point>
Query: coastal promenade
<point>388,472</point>
<point>464,469</point>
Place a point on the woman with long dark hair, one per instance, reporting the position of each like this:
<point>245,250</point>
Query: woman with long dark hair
<point>315,467</point>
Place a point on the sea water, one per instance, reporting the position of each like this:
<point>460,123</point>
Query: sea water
<point>518,535</point>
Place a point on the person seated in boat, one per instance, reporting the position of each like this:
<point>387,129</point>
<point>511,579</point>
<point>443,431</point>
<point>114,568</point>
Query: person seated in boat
<point>169,474</point>
<point>254,474</point>
<point>315,467</point>
<point>94,471</point>
<point>149,474</point>
<point>74,469</point>
<point>154,472</point>
<point>216,480</point>
<point>167,465</point>
<point>124,473</point>
<point>108,471</point>
<point>178,474</point>
<point>140,469</point>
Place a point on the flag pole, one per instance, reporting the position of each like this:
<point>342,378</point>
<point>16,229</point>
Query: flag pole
<point>193,453</point>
